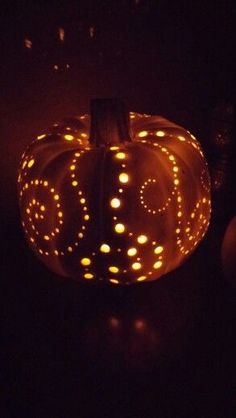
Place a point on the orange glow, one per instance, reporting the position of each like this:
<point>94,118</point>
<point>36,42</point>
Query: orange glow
<point>115,202</point>
<point>68,137</point>
<point>85,261</point>
<point>142,239</point>
<point>141,278</point>
<point>105,248</point>
<point>88,276</point>
<point>123,177</point>
<point>142,134</point>
<point>132,251</point>
<point>31,163</point>
<point>28,43</point>
<point>113,269</point>
<point>120,155</point>
<point>61,34</point>
<point>119,228</point>
<point>159,249</point>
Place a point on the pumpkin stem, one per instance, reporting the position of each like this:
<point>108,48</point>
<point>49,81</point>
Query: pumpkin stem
<point>109,122</point>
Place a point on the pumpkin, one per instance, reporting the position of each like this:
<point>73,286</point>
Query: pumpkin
<point>115,197</point>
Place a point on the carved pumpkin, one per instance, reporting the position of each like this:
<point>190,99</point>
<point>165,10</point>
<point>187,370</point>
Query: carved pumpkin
<point>119,205</point>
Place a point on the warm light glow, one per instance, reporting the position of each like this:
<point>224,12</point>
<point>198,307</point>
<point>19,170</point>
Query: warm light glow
<point>56,197</point>
<point>72,167</point>
<point>86,217</point>
<point>68,137</point>
<point>179,214</point>
<point>141,278</point>
<point>105,248</point>
<point>176,182</point>
<point>74,183</point>
<point>113,269</point>
<point>142,239</point>
<point>88,276</point>
<point>158,264</point>
<point>41,137</point>
<point>142,134</point>
<point>120,155</point>
<point>119,228</point>
<point>160,133</point>
<point>123,177</point>
<point>60,214</point>
<point>159,249</point>
<point>46,237</point>
<point>181,138</point>
<point>31,163</point>
<point>42,208</point>
<point>61,34</point>
<point>85,261</point>
<point>136,266</point>
<point>132,251</point>
<point>115,202</point>
<point>28,43</point>
<point>114,281</point>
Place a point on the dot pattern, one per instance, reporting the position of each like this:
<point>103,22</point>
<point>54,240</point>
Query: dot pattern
<point>147,220</point>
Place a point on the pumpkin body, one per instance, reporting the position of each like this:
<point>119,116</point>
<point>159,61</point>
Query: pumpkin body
<point>122,212</point>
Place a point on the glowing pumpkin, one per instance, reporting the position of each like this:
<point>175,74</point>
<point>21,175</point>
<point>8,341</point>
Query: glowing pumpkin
<point>114,206</point>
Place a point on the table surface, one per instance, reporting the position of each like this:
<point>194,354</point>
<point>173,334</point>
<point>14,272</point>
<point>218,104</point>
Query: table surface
<point>161,349</point>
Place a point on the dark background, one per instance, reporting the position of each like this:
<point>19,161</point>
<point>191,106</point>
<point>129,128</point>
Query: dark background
<point>165,349</point>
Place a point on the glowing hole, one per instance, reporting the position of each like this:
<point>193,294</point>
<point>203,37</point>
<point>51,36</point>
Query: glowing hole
<point>46,237</point>
<point>142,134</point>
<point>181,138</point>
<point>123,177</point>
<point>88,276</point>
<point>142,239</point>
<point>68,137</point>
<point>114,281</point>
<point>86,217</point>
<point>141,278</point>
<point>136,266</point>
<point>31,163</point>
<point>113,269</point>
<point>42,208</point>
<point>132,251</point>
<point>70,249</point>
<point>119,228</point>
<point>176,182</point>
<point>157,265</point>
<point>160,133</point>
<point>41,137</point>
<point>120,155</point>
<point>159,249</point>
<point>60,214</point>
<point>115,203</point>
<point>74,183</point>
<point>56,197</point>
<point>72,167</point>
<point>85,261</point>
<point>105,248</point>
